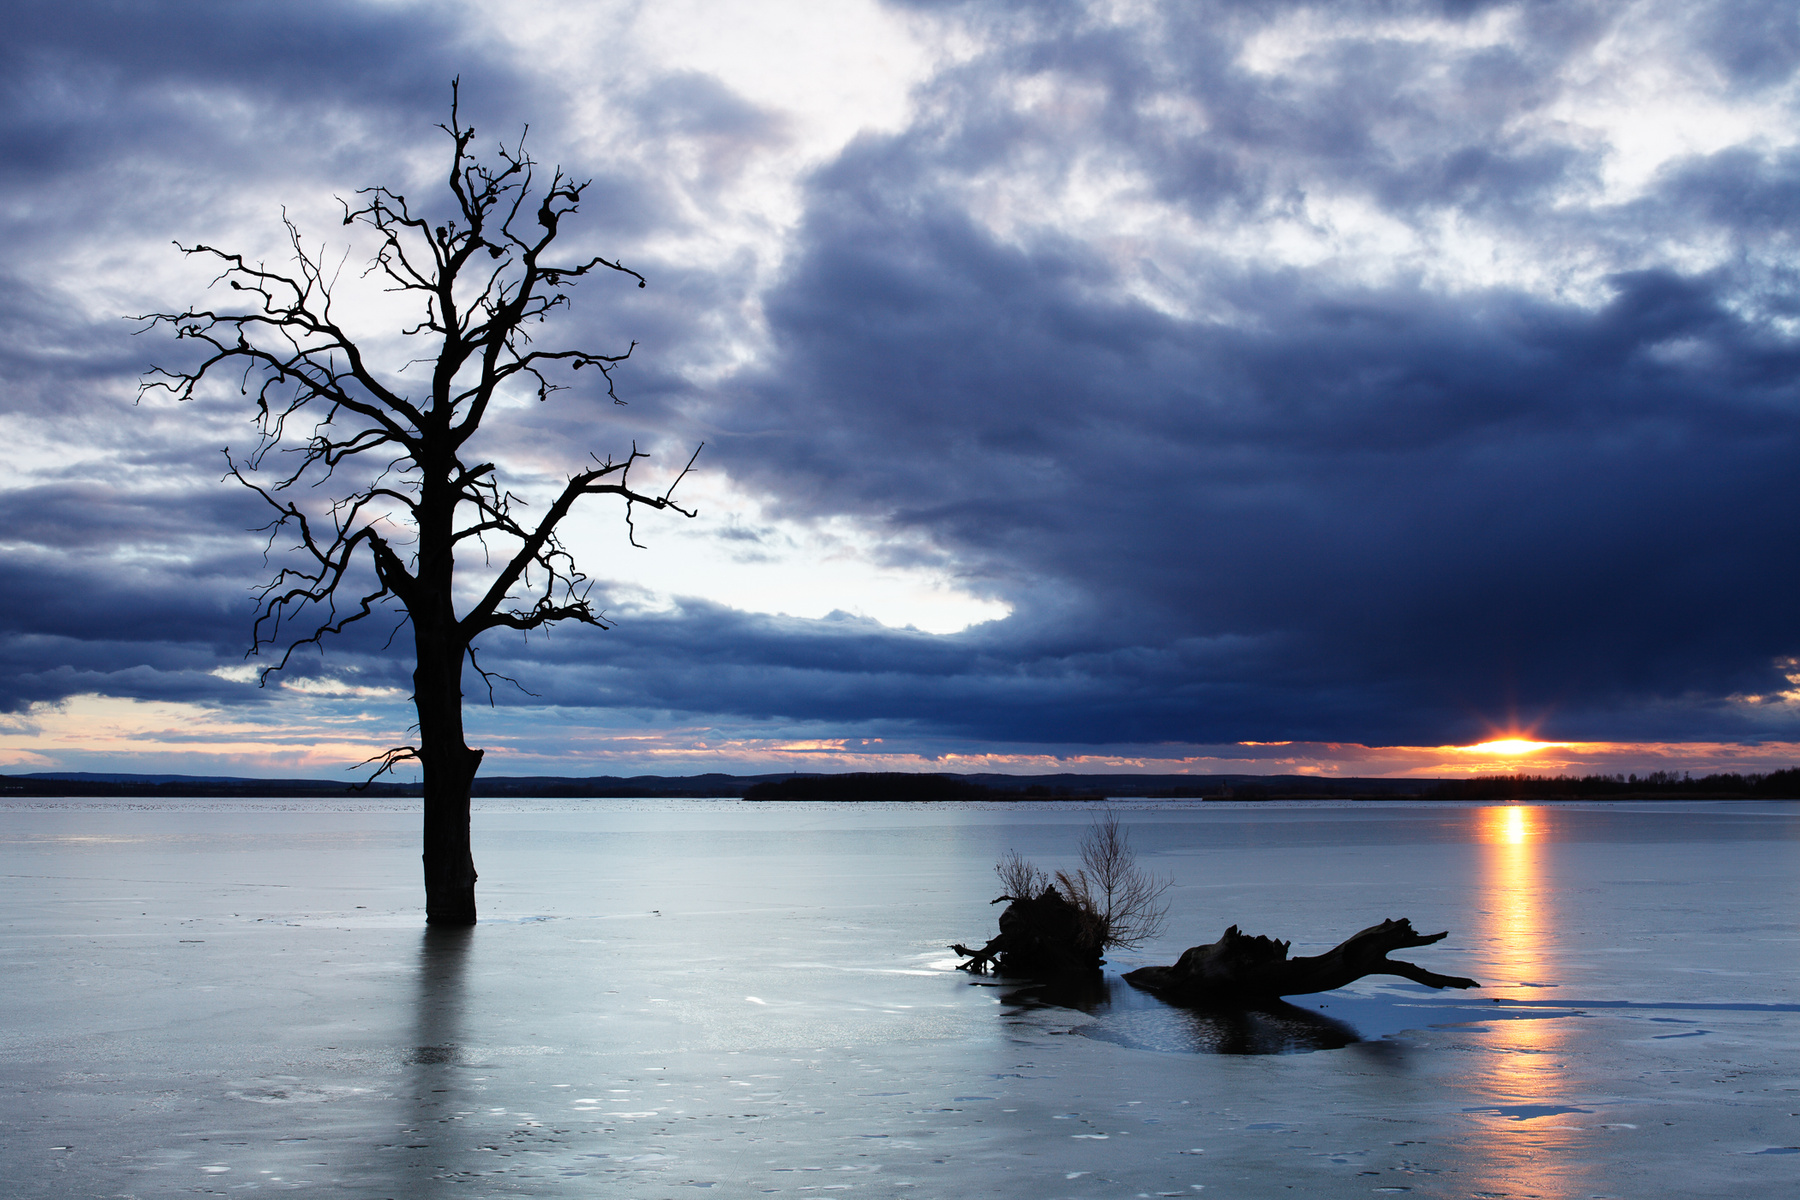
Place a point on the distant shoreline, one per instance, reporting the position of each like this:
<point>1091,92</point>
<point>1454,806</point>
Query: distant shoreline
<point>914,787</point>
<point>780,785</point>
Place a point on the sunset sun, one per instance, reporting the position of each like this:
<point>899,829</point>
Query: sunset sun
<point>1508,747</point>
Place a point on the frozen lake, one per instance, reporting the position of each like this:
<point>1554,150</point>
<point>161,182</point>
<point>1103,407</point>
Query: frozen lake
<point>672,998</point>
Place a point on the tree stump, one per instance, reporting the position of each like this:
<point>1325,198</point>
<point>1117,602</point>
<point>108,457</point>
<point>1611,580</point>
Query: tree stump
<point>1043,936</point>
<point>1239,969</point>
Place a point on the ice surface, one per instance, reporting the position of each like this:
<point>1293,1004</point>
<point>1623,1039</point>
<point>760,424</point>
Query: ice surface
<point>670,998</point>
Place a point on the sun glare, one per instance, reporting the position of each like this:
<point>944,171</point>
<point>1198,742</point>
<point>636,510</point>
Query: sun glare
<point>1508,747</point>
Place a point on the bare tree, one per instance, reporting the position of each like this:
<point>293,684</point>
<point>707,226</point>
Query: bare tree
<point>1110,884</point>
<point>380,488</point>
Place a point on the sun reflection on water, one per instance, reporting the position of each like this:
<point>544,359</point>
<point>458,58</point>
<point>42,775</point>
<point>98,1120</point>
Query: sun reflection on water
<point>1518,902</point>
<point>1536,1148</point>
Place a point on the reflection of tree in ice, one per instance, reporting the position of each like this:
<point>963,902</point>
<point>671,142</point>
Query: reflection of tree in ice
<point>430,1084</point>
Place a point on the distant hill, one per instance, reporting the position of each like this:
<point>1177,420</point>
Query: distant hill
<point>196,780</point>
<point>98,783</point>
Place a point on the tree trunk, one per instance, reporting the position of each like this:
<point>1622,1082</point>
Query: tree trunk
<point>449,768</point>
<point>1240,969</point>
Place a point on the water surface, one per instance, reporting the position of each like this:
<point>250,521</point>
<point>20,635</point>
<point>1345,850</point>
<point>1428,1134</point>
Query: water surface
<point>667,998</point>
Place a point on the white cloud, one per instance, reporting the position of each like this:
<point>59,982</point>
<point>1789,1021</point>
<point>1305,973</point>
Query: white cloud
<point>738,554</point>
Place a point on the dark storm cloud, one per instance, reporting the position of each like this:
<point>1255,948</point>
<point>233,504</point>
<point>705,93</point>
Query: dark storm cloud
<point>1296,501</point>
<point>1500,507</point>
<point>71,624</point>
<point>80,621</point>
<point>1757,43</point>
<point>1414,514</point>
<point>87,80</point>
<point>1749,193</point>
<point>90,516</point>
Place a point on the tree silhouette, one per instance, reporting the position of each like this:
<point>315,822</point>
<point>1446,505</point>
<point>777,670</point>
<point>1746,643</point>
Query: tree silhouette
<point>1062,927</point>
<point>1127,900</point>
<point>378,488</point>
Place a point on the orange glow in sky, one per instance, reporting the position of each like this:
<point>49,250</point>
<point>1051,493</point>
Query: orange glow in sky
<point>324,731</point>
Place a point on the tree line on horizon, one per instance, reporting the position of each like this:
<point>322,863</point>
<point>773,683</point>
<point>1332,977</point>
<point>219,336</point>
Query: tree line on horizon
<point>1775,785</point>
<point>904,787</point>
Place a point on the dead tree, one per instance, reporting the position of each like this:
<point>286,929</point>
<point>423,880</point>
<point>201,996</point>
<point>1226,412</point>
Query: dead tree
<point>1239,969</point>
<point>382,487</point>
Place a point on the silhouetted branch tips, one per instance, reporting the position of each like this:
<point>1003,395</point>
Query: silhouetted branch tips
<point>1019,878</point>
<point>488,677</point>
<point>389,759</point>
<point>1128,900</point>
<point>670,490</point>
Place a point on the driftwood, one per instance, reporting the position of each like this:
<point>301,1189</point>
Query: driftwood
<point>1240,969</point>
<point>1044,935</point>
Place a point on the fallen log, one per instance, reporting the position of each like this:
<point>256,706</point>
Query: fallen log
<point>1240,969</point>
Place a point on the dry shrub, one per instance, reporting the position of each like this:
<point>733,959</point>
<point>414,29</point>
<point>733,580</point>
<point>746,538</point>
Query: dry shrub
<point>1124,901</point>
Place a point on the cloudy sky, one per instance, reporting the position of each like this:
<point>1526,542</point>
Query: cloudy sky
<point>1187,386</point>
